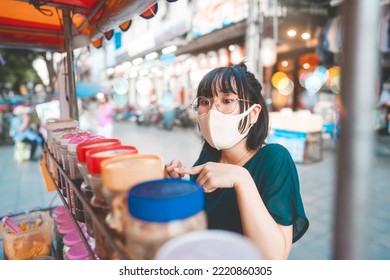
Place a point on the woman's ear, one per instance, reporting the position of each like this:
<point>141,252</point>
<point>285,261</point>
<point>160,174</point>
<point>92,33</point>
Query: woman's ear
<point>255,113</point>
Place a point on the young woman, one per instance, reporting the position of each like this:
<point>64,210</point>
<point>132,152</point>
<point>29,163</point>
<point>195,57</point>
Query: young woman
<point>251,187</point>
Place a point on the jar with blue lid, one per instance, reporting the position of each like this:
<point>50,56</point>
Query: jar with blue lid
<point>159,211</point>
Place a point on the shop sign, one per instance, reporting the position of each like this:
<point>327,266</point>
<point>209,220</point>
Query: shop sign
<point>210,16</point>
<point>171,30</point>
<point>271,8</point>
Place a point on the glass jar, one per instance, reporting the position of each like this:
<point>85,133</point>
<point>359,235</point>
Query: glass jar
<point>74,173</point>
<point>78,159</point>
<point>57,135</point>
<point>95,158</point>
<point>63,148</point>
<point>119,174</point>
<point>159,211</point>
<point>53,125</point>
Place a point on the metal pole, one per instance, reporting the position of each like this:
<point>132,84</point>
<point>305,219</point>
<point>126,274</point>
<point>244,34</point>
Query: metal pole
<point>72,100</point>
<point>356,147</point>
<point>275,24</point>
<point>252,40</point>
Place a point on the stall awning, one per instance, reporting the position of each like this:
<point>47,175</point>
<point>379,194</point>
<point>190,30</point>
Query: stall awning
<point>38,24</point>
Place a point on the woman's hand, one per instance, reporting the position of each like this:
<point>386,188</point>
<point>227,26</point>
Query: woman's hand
<point>170,169</point>
<point>214,175</point>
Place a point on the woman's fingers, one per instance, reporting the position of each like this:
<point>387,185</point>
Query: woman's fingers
<point>191,171</point>
<point>170,169</point>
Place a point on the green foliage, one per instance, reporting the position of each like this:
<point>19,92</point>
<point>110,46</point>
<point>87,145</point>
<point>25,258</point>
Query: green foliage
<point>18,68</point>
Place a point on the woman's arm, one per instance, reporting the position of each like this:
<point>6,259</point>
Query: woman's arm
<point>274,240</point>
<point>25,123</point>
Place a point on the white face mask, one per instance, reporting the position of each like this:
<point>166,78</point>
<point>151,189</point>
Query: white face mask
<point>221,130</point>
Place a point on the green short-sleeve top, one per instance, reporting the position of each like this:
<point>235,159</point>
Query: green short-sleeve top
<point>276,178</point>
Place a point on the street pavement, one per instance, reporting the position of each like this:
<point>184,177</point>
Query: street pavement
<point>22,188</point>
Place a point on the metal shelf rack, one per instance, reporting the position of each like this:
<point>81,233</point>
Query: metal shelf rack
<point>116,246</point>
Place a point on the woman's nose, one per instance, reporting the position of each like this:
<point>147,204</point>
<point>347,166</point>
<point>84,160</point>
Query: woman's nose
<point>214,104</point>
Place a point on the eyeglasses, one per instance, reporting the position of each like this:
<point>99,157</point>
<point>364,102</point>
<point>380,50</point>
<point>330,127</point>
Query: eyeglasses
<point>225,104</point>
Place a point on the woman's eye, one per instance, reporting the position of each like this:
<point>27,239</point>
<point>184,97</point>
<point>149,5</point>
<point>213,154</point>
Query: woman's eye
<point>228,101</point>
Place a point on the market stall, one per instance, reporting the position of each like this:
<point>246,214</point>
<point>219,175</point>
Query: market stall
<point>62,27</point>
<point>299,132</point>
<point>116,202</point>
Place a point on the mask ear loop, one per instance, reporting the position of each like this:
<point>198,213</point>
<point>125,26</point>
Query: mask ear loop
<point>244,123</point>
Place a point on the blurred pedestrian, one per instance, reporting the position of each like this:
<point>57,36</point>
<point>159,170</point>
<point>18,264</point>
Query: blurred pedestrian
<point>105,125</point>
<point>25,131</point>
<point>250,187</point>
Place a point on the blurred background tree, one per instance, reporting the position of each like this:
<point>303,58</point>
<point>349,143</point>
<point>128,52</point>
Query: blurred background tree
<point>18,75</point>
<point>16,69</point>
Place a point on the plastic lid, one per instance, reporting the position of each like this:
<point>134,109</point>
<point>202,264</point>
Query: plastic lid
<point>84,147</point>
<point>76,140</point>
<point>60,210</point>
<point>78,252</point>
<point>61,123</point>
<point>67,227</point>
<point>96,156</point>
<point>123,172</point>
<point>58,135</point>
<point>63,218</point>
<point>165,200</point>
<point>72,238</point>
<point>209,245</point>
<point>65,139</point>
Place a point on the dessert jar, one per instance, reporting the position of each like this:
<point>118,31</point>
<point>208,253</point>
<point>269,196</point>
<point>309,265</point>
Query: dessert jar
<point>159,211</point>
<point>77,160</point>
<point>119,174</point>
<point>98,202</point>
<point>63,149</point>
<point>74,201</point>
<point>57,135</point>
<point>53,126</point>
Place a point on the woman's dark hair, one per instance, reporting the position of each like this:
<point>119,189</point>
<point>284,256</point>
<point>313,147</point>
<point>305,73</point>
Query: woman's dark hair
<point>238,80</point>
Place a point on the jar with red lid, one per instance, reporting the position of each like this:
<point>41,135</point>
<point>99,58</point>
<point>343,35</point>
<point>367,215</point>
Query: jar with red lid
<point>78,160</point>
<point>100,206</point>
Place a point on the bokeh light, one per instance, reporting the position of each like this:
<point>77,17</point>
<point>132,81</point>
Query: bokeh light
<point>277,77</point>
<point>313,84</point>
<point>285,86</point>
<point>303,77</point>
<point>333,79</point>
